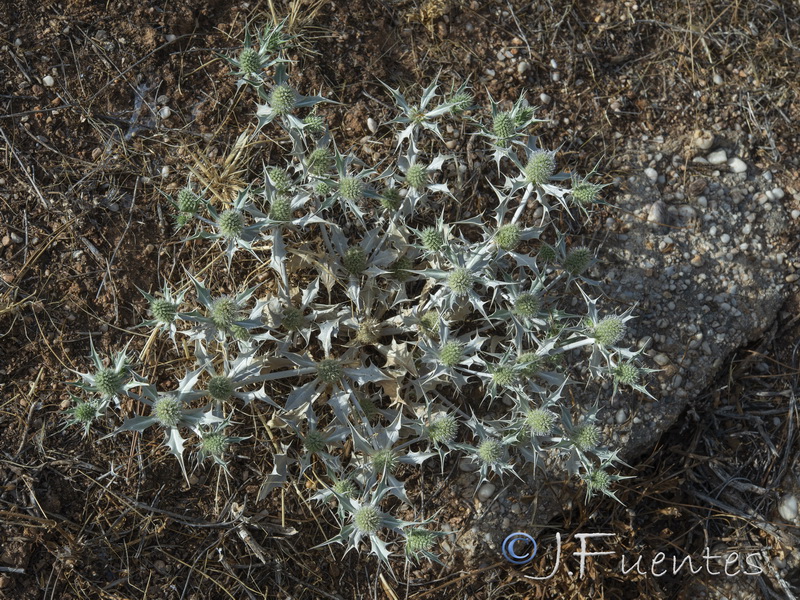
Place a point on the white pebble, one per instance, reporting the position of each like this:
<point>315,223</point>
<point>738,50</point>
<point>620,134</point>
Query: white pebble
<point>622,416</point>
<point>788,507</point>
<point>545,98</point>
<point>170,37</point>
<point>737,165</point>
<point>165,112</point>
<point>662,360</point>
<point>523,67</point>
<point>652,174</point>
<point>717,79</point>
<point>796,214</point>
<point>372,125</point>
<point>48,81</point>
<point>485,491</point>
<point>165,171</point>
<point>778,193</point>
<point>724,238</point>
<point>553,63</point>
<point>717,158</point>
<point>703,139</point>
<point>555,76</point>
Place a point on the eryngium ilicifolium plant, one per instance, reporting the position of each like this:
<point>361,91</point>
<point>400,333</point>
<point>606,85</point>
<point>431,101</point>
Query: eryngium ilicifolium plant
<point>383,322</point>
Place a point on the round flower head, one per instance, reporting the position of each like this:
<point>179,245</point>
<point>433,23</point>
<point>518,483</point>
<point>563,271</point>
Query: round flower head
<point>598,481</point>
<point>320,161</point>
<point>355,260</point>
<point>368,407</point>
<point>547,253</point>
<point>540,167</point>
<point>384,461</point>
<point>84,413</point>
<point>323,188</point>
<point>508,237</point>
<point>460,280</point>
<point>451,354</point>
<point>351,188</point>
<point>419,540</point>
<point>214,444</point>
<point>626,374</point>
<point>504,126</point>
<point>578,260</point>
<point>586,437</point>
<point>282,99</point>
<point>368,332</point>
<point>400,267</point>
<point>314,442</point>
<point>240,333</point>
<point>609,331</point>
<point>292,318</point>
<point>330,370</point>
<point>430,322</point>
<point>432,239</point>
<point>540,421</point>
<point>461,101</point>
<point>530,363</point>
<point>281,209</point>
<point>220,388</point>
<point>224,312</point>
<point>280,180</point>
<point>584,192</point>
<point>345,487</point>
<point>188,201</point>
<point>527,305</point>
<point>391,199</point>
<point>109,381</point>
<point>443,430</point>
<point>504,376</point>
<point>249,61</point>
<point>167,411</point>
<point>417,176</point>
<point>314,124</point>
<point>490,451</point>
<point>231,223</point>
<point>163,311</point>
<point>367,519</point>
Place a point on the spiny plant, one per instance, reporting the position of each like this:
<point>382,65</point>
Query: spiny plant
<point>477,325</point>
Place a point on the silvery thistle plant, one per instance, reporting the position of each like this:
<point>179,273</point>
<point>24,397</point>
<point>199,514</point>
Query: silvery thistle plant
<point>170,410</point>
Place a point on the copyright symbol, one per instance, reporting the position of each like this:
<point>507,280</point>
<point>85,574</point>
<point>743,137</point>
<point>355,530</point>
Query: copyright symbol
<point>509,552</point>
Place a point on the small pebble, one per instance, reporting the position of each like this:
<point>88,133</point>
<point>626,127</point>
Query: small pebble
<point>737,165</point>
<point>703,139</point>
<point>788,508</point>
<point>652,174</point>
<point>717,79</point>
<point>622,416</point>
<point>170,37</point>
<point>523,67</point>
<point>777,193</point>
<point>718,157</point>
<point>662,360</point>
<point>48,81</point>
<point>724,238</point>
<point>792,278</point>
<point>796,214</point>
<point>467,466</point>
<point>372,125</point>
<point>545,98</point>
<point>165,112</point>
<point>697,261</point>
<point>165,171</point>
<point>486,491</point>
